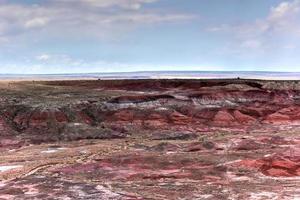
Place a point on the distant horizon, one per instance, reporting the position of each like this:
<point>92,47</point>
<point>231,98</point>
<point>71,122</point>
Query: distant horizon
<point>261,75</point>
<point>157,71</point>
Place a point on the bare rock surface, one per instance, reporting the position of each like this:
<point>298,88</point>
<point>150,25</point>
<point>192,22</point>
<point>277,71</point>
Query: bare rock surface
<point>150,139</point>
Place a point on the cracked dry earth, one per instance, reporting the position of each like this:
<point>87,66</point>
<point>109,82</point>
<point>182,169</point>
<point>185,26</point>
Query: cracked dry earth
<point>150,139</point>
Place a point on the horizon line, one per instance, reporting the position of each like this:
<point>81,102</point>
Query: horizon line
<point>150,71</point>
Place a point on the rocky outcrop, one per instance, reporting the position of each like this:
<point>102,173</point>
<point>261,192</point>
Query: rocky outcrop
<point>223,118</point>
<point>286,164</point>
<point>289,115</point>
<point>243,118</point>
<point>139,99</point>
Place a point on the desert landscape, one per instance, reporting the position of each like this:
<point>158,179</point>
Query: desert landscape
<point>150,139</point>
<point>149,100</point>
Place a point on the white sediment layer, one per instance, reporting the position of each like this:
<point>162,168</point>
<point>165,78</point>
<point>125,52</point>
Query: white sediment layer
<point>9,167</point>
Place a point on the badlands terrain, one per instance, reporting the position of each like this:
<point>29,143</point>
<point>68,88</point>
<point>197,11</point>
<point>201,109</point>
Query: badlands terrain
<point>150,139</point>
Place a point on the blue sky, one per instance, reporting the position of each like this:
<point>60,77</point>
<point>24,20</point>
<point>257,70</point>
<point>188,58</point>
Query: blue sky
<point>73,36</point>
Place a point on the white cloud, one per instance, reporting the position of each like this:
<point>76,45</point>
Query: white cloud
<point>3,40</point>
<point>76,17</point>
<point>57,59</point>
<point>290,46</point>
<point>284,17</point>
<point>43,57</point>
<point>127,4</point>
<point>284,9</point>
<point>252,44</point>
<point>222,27</point>
<point>280,27</point>
<point>36,22</point>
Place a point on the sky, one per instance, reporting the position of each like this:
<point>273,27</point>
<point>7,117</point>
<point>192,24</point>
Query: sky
<point>84,36</point>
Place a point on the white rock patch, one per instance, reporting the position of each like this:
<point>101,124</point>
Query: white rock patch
<point>53,150</point>
<point>9,167</point>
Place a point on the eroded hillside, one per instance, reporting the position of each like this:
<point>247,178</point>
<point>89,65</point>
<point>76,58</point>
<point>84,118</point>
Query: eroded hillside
<point>150,139</point>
